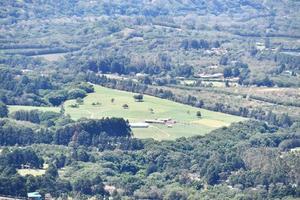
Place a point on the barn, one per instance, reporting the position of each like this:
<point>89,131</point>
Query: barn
<point>139,125</point>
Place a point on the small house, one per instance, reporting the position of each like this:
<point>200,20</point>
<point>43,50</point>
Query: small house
<point>34,196</point>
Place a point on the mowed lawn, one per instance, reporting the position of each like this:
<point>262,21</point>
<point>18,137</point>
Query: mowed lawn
<point>188,124</point>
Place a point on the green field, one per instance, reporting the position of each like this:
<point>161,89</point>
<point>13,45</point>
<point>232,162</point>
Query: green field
<point>15,108</point>
<point>188,124</point>
<point>33,172</point>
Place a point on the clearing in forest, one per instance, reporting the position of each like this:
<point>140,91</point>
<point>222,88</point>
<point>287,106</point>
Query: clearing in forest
<point>106,102</point>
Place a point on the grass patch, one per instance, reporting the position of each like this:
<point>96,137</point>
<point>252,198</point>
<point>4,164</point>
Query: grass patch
<point>51,57</point>
<point>188,124</point>
<point>16,108</point>
<point>33,172</point>
<point>99,104</point>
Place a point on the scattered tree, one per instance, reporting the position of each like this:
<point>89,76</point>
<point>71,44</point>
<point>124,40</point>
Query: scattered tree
<point>125,106</point>
<point>138,97</point>
<point>3,110</point>
<point>199,115</point>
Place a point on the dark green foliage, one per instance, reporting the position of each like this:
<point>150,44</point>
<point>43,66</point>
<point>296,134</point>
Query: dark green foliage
<point>289,144</point>
<point>91,132</point>
<point>227,72</point>
<point>52,171</point>
<point>138,97</point>
<point>90,186</point>
<point>198,114</point>
<point>76,93</point>
<point>161,40</point>
<point>57,99</point>
<point>19,158</point>
<point>3,110</point>
<point>84,132</point>
<point>239,153</point>
<point>36,116</point>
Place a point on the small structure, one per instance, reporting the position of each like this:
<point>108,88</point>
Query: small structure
<point>34,196</point>
<point>166,121</point>
<point>169,125</point>
<point>139,125</point>
<point>154,121</point>
<point>204,75</point>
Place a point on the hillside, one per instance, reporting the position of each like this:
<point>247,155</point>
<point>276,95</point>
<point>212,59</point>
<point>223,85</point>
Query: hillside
<point>183,119</point>
<point>150,99</point>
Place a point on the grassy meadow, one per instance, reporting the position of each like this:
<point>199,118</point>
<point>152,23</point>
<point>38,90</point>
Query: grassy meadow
<point>45,109</point>
<point>187,123</point>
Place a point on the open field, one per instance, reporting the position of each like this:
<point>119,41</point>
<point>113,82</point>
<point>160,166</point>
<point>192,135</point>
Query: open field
<point>188,124</point>
<point>52,56</point>
<point>277,100</point>
<point>15,108</point>
<point>33,172</point>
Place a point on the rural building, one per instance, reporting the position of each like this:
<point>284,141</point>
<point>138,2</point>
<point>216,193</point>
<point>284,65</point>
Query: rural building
<point>154,121</point>
<point>34,196</point>
<point>204,75</point>
<point>139,125</point>
<point>166,121</point>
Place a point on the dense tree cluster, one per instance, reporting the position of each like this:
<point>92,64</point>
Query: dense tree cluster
<point>84,132</point>
<point>17,88</point>
<point>248,156</point>
<point>36,116</point>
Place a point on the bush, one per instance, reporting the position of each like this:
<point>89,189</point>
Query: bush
<point>76,93</point>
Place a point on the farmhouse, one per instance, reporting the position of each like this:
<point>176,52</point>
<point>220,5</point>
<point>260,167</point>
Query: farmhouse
<point>139,125</point>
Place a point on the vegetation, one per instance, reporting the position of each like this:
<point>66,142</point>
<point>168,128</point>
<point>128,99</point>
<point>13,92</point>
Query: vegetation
<point>242,157</point>
<point>81,74</point>
<point>186,124</point>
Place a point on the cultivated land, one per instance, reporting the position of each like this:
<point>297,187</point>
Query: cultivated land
<point>187,123</point>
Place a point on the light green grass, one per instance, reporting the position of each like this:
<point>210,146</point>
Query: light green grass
<point>187,123</point>
<point>15,108</point>
<point>33,172</point>
<point>51,56</point>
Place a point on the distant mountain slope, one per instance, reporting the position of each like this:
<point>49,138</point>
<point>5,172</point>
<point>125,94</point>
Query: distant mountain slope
<point>26,9</point>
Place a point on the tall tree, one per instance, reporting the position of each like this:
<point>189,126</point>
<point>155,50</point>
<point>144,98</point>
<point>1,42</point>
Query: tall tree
<point>3,110</point>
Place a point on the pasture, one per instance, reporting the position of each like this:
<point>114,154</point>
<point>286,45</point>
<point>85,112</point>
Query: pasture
<point>45,109</point>
<point>51,57</point>
<point>105,102</point>
<point>100,104</point>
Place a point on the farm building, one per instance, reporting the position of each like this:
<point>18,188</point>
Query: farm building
<point>139,125</point>
<point>154,121</point>
<point>34,196</point>
<point>204,75</point>
<point>160,121</point>
<point>167,120</point>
